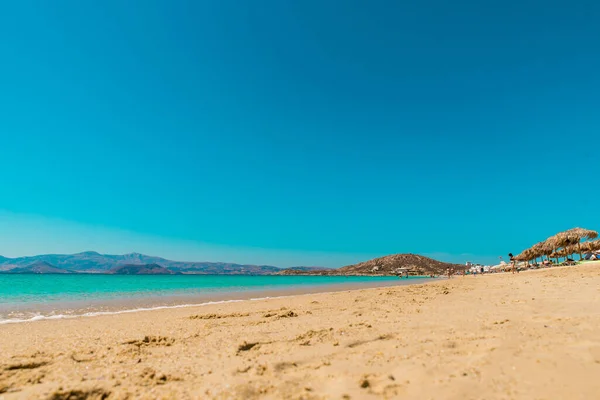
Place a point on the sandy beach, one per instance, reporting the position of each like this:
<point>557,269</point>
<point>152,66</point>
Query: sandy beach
<point>532,335</point>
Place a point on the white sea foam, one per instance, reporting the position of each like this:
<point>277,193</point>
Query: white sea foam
<point>99,313</point>
<point>133,310</point>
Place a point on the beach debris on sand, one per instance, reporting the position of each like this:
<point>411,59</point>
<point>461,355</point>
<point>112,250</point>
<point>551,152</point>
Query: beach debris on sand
<point>26,365</point>
<point>152,341</point>
<point>247,346</point>
<point>219,316</point>
<point>78,394</point>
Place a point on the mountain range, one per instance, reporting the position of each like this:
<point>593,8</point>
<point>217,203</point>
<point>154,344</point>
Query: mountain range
<point>93,262</point>
<point>39,267</point>
<point>140,264</point>
<point>144,269</point>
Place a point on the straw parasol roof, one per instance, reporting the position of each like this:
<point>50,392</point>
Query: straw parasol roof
<point>592,245</point>
<point>562,244</point>
<point>563,239</point>
<point>571,237</point>
<point>590,234</point>
<point>523,256</point>
<point>537,249</point>
<point>564,252</point>
<point>584,234</point>
<point>530,254</point>
<point>587,246</point>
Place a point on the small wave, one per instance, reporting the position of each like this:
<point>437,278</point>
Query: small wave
<point>99,313</point>
<point>133,310</point>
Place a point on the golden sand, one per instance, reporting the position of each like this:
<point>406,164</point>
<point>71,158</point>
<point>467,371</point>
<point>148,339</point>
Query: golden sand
<point>533,335</point>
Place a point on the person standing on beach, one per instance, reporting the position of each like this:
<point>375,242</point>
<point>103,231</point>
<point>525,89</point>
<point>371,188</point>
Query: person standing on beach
<point>513,262</point>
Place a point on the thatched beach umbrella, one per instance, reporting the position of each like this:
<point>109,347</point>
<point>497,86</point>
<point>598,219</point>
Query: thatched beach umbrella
<point>593,245</point>
<point>564,252</point>
<point>553,242</point>
<point>525,255</point>
<point>546,248</point>
<point>540,250</point>
<point>563,244</point>
<point>582,234</point>
<point>563,239</point>
<point>533,252</point>
<point>571,237</point>
<point>585,246</point>
<point>520,256</point>
<point>588,235</point>
<point>556,242</point>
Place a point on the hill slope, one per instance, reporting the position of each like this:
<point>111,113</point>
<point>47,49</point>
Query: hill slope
<point>305,271</point>
<point>40,267</point>
<point>144,269</point>
<point>392,265</point>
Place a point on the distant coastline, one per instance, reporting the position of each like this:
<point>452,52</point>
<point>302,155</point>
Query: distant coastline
<point>139,264</point>
<point>25,297</point>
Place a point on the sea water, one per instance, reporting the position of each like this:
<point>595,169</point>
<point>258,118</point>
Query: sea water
<point>31,297</point>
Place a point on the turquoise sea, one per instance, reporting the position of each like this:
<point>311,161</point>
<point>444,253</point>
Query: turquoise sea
<point>32,297</point>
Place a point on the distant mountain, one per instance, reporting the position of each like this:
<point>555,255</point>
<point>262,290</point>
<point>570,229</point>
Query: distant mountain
<point>3,266</point>
<point>220,268</point>
<point>40,267</point>
<point>91,261</point>
<point>143,269</point>
<point>394,264</point>
<point>308,268</point>
<point>306,271</point>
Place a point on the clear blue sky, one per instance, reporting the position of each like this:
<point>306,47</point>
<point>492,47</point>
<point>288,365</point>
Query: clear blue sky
<point>297,132</point>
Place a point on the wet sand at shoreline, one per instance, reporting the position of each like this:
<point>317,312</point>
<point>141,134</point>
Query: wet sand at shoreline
<point>532,335</point>
<point>23,312</point>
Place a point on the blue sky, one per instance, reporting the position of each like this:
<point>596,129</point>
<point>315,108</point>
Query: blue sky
<point>295,133</point>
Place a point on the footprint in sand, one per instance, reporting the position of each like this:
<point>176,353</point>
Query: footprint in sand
<point>152,341</point>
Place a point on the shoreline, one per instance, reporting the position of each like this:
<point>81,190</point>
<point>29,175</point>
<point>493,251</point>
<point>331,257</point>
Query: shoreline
<point>497,336</point>
<point>69,309</point>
